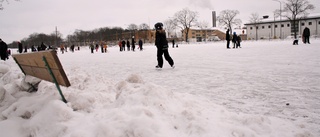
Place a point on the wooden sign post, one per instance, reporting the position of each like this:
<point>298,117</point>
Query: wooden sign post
<point>44,65</point>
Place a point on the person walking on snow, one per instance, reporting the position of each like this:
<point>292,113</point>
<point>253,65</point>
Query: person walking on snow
<point>306,35</point>
<point>162,46</point>
<point>234,39</point>
<point>133,42</point>
<point>140,44</point>
<point>20,48</point>
<point>3,50</point>
<point>228,38</point>
<point>123,45</point>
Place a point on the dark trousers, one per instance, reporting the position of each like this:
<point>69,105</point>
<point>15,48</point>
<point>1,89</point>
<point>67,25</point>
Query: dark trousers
<point>165,52</point>
<point>307,39</point>
<point>228,44</point>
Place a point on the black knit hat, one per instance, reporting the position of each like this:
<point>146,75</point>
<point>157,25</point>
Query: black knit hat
<point>158,25</point>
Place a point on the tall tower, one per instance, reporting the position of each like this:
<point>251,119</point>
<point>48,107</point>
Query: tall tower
<point>214,19</point>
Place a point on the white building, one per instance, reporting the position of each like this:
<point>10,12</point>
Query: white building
<point>274,28</point>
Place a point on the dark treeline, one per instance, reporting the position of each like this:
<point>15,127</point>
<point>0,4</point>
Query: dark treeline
<point>83,38</point>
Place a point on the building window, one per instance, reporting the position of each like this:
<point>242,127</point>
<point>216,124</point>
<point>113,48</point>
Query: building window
<point>282,25</point>
<point>288,25</point>
<point>319,22</point>
<point>276,26</point>
<point>302,24</point>
<point>262,27</point>
<point>257,27</point>
<point>269,26</point>
<point>251,27</point>
<point>310,23</point>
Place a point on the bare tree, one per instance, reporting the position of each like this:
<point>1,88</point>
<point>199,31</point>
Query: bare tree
<point>1,1</point>
<point>144,26</point>
<point>185,19</point>
<point>227,18</point>
<point>255,18</point>
<point>295,10</point>
<point>132,28</point>
<point>170,26</point>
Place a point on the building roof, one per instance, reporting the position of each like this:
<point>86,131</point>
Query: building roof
<point>275,20</point>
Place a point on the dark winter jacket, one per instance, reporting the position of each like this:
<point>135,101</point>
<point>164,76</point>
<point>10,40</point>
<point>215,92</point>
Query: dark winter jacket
<point>128,43</point>
<point>234,38</point>
<point>306,32</point>
<point>161,40</point>
<point>20,47</point>
<point>3,47</point>
<point>227,35</point>
<point>140,42</point>
<point>3,50</point>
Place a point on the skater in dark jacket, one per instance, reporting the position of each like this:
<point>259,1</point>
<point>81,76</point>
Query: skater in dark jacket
<point>306,35</point>
<point>133,42</point>
<point>3,50</point>
<point>162,46</point>
<point>20,48</point>
<point>238,41</point>
<point>123,45</point>
<point>140,44</point>
<point>128,45</point>
<point>234,39</point>
<point>173,43</point>
<point>228,38</point>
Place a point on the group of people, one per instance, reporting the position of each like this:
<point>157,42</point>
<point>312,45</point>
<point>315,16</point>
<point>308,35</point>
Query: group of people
<point>103,46</point>
<point>123,44</point>
<point>236,39</point>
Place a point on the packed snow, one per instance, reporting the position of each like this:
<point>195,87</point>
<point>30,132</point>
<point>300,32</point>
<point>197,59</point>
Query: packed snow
<point>264,89</point>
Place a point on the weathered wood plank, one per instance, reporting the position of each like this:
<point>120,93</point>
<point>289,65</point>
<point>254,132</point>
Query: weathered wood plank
<point>32,64</point>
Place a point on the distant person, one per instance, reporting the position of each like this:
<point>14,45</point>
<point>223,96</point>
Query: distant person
<point>43,47</point>
<point>306,35</point>
<point>105,46</point>
<point>234,39</point>
<point>92,47</point>
<point>3,50</point>
<point>33,48</point>
<point>120,45</point>
<point>133,42</point>
<point>228,38</point>
<point>62,48</point>
<point>173,43</point>
<point>123,45</point>
<point>140,44</point>
<point>128,45</point>
<point>97,47</point>
<point>162,46</point>
<point>72,48</point>
<point>238,41</point>
<point>20,48</point>
<point>25,49</point>
<point>101,47</point>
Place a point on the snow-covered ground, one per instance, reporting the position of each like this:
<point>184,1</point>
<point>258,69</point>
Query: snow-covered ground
<point>264,89</point>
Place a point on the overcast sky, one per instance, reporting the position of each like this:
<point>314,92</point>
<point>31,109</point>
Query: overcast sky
<point>20,19</point>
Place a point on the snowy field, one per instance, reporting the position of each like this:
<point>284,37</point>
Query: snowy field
<point>264,89</point>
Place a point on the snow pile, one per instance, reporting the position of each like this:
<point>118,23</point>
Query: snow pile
<point>103,104</point>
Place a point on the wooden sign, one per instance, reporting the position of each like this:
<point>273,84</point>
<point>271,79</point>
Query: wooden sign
<point>33,64</point>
